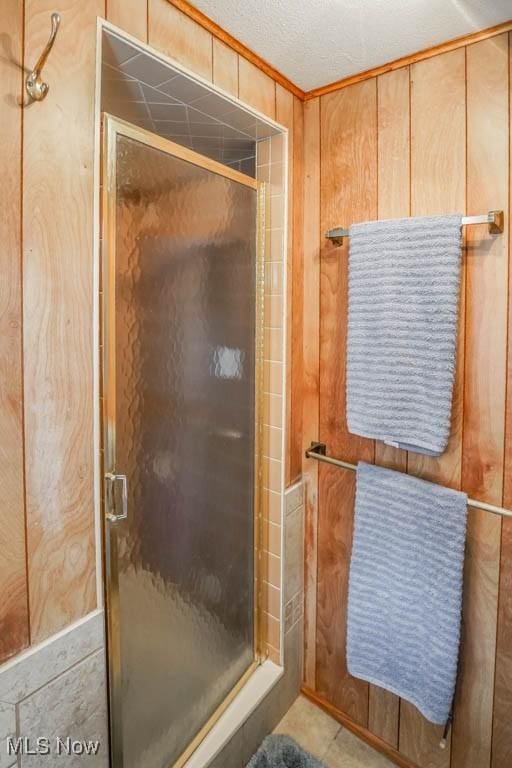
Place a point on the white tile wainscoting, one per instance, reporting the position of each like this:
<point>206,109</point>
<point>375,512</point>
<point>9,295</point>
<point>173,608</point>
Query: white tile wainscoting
<point>57,691</point>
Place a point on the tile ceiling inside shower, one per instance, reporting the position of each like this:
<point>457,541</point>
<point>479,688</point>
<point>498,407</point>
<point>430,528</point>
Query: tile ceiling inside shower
<point>144,90</point>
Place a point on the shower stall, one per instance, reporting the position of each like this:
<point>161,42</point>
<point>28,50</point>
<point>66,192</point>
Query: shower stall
<point>182,365</point>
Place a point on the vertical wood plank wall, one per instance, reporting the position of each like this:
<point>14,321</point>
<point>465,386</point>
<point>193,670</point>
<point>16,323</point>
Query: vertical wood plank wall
<point>485,373</point>
<point>14,629</point>
<point>426,139</point>
<point>130,15</point>
<point>501,735</point>
<point>47,544</point>
<point>393,201</point>
<point>311,370</point>
<point>57,321</point>
<point>348,155</point>
<point>438,172</point>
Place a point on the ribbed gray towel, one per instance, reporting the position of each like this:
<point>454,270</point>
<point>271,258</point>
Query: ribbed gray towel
<point>405,587</point>
<point>404,285</point>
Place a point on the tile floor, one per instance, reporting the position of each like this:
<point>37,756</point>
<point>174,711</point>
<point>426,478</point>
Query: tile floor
<point>326,739</point>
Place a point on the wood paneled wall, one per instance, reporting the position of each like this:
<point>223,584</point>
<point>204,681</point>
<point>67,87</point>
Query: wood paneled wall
<point>47,530</point>
<point>430,138</point>
<point>14,628</point>
<point>57,320</point>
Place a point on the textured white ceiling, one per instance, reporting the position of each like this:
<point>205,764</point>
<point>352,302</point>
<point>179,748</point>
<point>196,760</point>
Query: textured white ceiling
<point>314,42</point>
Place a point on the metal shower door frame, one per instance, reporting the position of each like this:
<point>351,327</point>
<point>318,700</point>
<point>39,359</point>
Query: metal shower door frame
<point>112,127</point>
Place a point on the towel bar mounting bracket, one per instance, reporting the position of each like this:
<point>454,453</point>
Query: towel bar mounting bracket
<point>320,449</point>
<point>496,221</point>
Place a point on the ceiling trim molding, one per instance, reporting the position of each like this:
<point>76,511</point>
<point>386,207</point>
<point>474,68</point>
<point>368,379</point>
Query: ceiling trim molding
<point>427,53</point>
<point>204,21</point>
<point>217,31</point>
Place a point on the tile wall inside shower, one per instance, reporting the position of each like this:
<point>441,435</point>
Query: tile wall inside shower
<point>270,168</point>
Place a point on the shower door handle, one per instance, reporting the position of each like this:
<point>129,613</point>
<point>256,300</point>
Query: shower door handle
<point>111,479</point>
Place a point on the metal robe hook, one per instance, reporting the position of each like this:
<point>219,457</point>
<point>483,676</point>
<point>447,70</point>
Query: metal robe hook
<point>36,88</point>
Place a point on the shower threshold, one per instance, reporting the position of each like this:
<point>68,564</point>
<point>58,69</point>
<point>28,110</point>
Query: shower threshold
<point>245,702</point>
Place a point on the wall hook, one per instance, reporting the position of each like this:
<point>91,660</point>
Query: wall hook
<point>36,88</point>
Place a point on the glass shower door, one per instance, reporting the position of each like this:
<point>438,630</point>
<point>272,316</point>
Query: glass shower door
<point>181,301</point>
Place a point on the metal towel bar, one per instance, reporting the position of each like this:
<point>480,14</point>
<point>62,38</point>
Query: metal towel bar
<point>318,451</point>
<point>495,220</point>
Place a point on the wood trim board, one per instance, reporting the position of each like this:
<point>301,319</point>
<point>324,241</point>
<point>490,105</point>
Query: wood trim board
<point>458,42</point>
<point>413,58</point>
<point>204,21</point>
<point>363,733</point>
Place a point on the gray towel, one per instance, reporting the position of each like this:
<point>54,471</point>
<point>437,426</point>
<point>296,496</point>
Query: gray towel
<point>405,587</point>
<point>404,285</point>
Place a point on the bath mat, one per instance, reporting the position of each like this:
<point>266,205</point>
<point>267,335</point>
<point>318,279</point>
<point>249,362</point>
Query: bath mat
<point>279,751</point>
